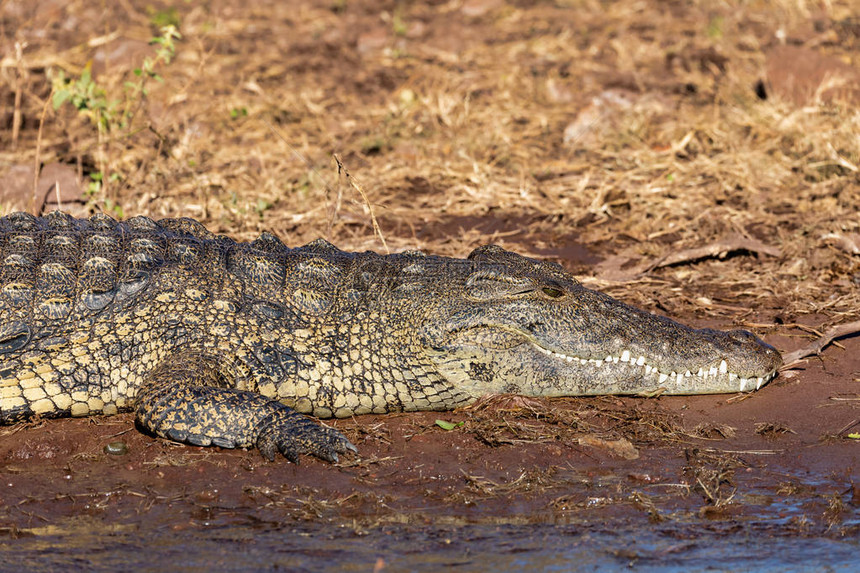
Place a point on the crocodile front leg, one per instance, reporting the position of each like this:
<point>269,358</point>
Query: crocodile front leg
<point>186,400</point>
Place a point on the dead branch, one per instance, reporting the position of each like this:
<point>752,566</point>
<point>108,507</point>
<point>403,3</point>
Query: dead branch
<point>611,268</point>
<point>792,359</point>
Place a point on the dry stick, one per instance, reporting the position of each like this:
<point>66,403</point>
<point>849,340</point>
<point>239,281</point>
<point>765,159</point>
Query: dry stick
<point>717,249</point>
<point>848,426</point>
<point>37,163</point>
<point>793,358</point>
<point>358,188</point>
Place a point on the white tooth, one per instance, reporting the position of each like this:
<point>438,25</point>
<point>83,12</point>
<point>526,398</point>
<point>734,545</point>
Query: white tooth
<point>743,384</point>
<point>615,359</point>
<point>700,373</point>
<point>570,358</point>
<point>583,361</point>
<point>608,359</point>
<point>723,367</point>
<point>680,378</point>
<point>688,373</point>
<point>640,361</point>
<point>758,383</point>
<point>648,369</point>
<point>598,363</point>
<point>625,356</point>
<point>663,377</point>
<point>712,371</point>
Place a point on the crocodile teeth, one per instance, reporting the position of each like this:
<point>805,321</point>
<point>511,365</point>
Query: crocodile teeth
<point>722,369</point>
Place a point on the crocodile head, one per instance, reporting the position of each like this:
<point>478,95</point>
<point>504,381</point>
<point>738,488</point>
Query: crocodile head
<point>528,327</point>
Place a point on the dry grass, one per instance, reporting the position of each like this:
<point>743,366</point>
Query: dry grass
<point>631,128</point>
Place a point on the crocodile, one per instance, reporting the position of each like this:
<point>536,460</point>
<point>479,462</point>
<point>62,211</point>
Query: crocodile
<point>212,341</point>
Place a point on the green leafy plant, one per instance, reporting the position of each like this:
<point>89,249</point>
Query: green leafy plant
<point>136,90</point>
<point>90,99</point>
<point>113,117</point>
<point>85,95</point>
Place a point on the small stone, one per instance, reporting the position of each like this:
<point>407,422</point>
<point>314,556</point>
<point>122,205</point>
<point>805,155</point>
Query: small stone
<point>116,448</point>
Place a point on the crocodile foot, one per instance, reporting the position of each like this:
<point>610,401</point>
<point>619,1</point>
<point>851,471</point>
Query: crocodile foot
<point>180,403</point>
<point>293,434</point>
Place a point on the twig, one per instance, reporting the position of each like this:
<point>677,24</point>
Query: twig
<point>848,426</point>
<point>792,359</point>
<point>358,188</point>
<point>611,268</point>
<point>717,249</point>
<point>340,169</point>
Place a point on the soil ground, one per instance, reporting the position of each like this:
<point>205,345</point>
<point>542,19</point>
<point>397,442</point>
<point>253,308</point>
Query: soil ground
<point>696,160</point>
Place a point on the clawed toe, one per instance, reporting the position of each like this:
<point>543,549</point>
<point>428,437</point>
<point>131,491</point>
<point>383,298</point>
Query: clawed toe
<point>296,435</point>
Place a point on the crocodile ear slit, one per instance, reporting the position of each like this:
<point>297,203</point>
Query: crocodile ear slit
<point>486,284</point>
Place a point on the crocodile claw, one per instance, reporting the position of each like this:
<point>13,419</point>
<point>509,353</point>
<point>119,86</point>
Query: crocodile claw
<point>293,435</point>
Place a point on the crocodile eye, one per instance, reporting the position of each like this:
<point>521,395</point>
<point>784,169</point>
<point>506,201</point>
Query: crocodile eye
<point>552,292</point>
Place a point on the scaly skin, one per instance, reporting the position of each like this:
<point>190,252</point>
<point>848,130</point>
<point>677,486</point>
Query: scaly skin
<point>216,342</point>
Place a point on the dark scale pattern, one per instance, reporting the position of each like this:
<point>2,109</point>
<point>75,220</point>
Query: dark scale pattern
<point>211,341</point>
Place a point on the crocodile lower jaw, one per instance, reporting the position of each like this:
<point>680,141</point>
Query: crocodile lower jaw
<point>715,374</point>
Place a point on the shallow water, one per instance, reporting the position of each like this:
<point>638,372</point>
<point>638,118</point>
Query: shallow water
<point>328,547</point>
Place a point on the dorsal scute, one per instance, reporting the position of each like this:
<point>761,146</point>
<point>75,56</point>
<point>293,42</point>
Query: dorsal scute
<point>20,221</point>
<point>261,272</point>
<point>140,224</point>
<point>59,221</point>
<point>269,243</point>
<point>102,223</point>
<point>320,246</point>
<point>186,227</point>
